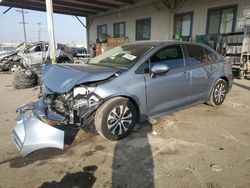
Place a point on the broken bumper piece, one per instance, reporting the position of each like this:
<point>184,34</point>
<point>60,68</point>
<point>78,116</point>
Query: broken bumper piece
<point>33,133</point>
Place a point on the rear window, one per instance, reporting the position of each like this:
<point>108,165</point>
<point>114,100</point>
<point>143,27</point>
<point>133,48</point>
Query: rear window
<point>196,54</point>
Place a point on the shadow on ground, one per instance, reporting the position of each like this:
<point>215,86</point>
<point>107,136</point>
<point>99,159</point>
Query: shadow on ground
<point>132,165</point>
<point>84,179</point>
<point>133,161</point>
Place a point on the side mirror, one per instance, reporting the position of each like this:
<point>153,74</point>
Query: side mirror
<point>159,69</point>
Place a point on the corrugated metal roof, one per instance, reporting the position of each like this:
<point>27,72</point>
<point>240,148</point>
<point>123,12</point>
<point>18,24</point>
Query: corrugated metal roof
<point>84,8</point>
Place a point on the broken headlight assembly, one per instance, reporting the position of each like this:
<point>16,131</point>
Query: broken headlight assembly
<point>85,103</point>
<point>84,96</point>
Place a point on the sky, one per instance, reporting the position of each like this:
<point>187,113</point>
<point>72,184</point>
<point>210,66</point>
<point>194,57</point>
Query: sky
<point>67,28</point>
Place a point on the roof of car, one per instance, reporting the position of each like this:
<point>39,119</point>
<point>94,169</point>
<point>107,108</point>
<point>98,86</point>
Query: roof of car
<point>160,42</point>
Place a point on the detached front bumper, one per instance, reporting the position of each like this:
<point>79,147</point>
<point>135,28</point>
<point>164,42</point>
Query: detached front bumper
<point>32,132</point>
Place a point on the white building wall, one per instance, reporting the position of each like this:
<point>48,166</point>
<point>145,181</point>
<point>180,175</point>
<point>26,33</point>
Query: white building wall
<point>162,18</point>
<point>200,9</point>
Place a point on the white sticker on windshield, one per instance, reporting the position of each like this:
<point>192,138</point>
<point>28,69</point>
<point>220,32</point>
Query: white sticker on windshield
<point>129,57</point>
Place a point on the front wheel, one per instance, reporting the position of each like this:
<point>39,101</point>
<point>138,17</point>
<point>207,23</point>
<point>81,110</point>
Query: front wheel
<point>16,66</point>
<point>219,92</point>
<point>116,118</point>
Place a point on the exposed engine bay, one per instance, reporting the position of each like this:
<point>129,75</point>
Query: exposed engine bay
<point>77,106</point>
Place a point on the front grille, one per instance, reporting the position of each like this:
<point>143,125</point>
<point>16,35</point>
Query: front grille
<point>16,139</point>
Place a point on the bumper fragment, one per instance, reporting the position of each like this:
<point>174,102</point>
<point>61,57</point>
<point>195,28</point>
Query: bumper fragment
<point>31,133</point>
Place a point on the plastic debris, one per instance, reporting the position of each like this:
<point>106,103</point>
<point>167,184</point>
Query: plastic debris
<point>215,167</point>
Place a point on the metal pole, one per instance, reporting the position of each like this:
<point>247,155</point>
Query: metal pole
<point>87,33</point>
<point>52,42</point>
<point>24,28</point>
<point>85,26</point>
<point>24,23</point>
<point>39,31</point>
<point>7,10</point>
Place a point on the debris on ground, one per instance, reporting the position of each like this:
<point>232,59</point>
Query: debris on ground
<point>24,79</point>
<point>215,168</point>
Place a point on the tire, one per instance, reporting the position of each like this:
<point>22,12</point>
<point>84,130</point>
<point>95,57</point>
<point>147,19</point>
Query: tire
<point>219,92</point>
<point>109,113</point>
<point>24,79</point>
<point>15,66</point>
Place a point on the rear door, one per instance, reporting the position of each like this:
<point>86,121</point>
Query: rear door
<point>169,91</point>
<point>200,74</point>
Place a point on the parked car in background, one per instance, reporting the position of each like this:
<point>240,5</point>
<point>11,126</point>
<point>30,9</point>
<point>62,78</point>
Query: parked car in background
<point>77,52</point>
<point>121,87</point>
<point>7,58</point>
<point>36,53</point>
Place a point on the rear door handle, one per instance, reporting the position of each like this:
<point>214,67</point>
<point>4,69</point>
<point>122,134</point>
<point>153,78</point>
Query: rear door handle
<point>186,74</point>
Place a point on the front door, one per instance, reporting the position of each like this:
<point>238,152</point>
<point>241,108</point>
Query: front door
<point>35,55</point>
<point>169,91</point>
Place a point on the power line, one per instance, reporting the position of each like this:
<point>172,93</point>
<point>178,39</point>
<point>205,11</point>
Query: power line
<point>24,23</point>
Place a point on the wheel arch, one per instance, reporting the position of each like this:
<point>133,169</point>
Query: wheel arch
<point>216,78</point>
<point>134,102</point>
<point>224,78</point>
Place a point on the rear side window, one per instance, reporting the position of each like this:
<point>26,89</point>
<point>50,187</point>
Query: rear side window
<point>171,56</point>
<point>211,57</point>
<point>196,54</point>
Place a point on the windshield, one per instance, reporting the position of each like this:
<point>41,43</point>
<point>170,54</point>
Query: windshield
<point>122,57</point>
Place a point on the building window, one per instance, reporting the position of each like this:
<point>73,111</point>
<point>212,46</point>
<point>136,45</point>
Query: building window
<point>119,29</point>
<point>221,20</point>
<point>101,29</point>
<point>143,27</point>
<point>183,24</point>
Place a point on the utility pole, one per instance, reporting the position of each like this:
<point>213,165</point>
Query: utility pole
<point>24,23</point>
<point>39,31</point>
<point>52,41</point>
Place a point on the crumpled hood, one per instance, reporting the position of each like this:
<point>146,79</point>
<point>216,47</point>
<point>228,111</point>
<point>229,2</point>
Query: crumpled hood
<point>7,53</point>
<point>62,78</point>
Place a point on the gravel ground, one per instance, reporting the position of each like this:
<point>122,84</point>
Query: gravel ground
<point>201,146</point>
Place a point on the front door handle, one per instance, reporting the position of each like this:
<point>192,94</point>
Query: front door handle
<point>212,67</point>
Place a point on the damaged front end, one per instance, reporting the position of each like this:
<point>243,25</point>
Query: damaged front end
<point>37,123</point>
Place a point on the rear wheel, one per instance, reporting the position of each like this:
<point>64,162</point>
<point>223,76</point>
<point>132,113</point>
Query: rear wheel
<point>219,92</point>
<point>116,118</point>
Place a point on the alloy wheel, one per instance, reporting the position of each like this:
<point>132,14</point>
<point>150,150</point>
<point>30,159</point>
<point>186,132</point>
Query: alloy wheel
<point>220,93</point>
<point>119,120</point>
